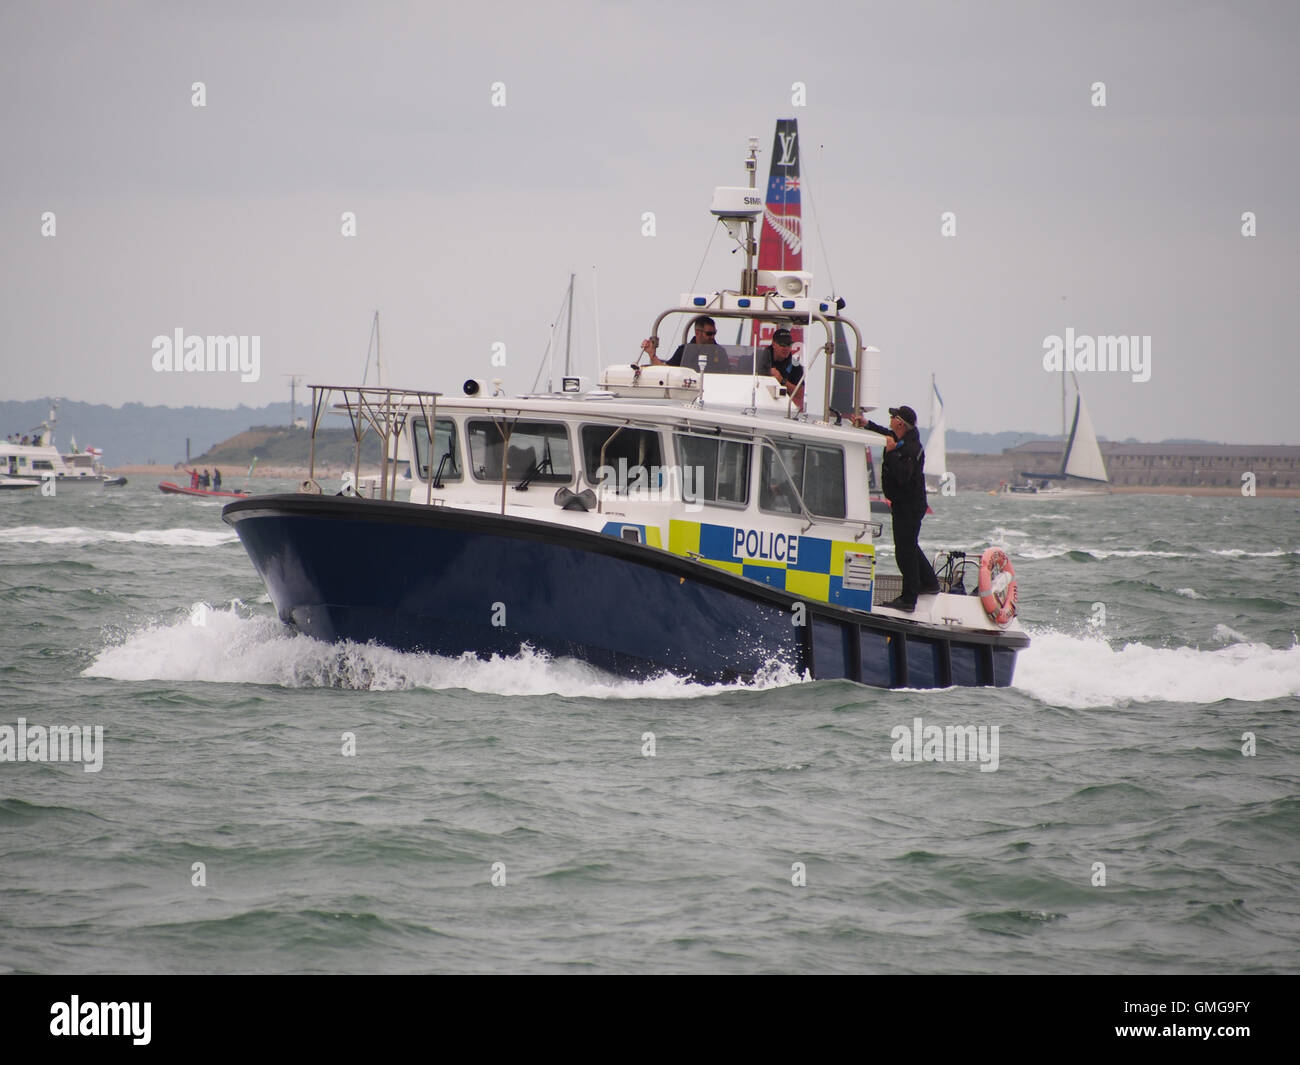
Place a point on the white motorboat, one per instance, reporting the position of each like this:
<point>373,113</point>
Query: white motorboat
<point>683,518</point>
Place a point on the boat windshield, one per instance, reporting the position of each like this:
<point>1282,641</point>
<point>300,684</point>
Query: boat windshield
<point>534,451</point>
<point>719,358</point>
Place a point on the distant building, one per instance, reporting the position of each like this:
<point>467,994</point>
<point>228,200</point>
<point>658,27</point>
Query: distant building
<point>1182,465</point>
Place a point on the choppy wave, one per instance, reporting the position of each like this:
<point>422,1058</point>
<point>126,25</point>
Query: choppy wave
<point>1039,551</point>
<point>225,646</point>
<point>1082,672</point>
<point>75,536</point>
<point>1238,552</point>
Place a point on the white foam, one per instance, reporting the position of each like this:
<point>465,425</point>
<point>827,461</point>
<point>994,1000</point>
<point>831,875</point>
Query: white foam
<point>1225,634</point>
<point>1082,672</point>
<point>1041,551</point>
<point>1190,593</point>
<point>1037,553</point>
<point>76,536</point>
<point>226,646</point>
<point>1131,552</point>
<point>1238,552</point>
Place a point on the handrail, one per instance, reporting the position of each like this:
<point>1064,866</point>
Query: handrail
<point>769,313</point>
<point>385,411</point>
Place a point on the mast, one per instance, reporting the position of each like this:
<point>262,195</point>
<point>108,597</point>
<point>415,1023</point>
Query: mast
<point>749,279</point>
<point>936,446</point>
<point>568,328</point>
<point>373,342</point>
<point>1065,440</point>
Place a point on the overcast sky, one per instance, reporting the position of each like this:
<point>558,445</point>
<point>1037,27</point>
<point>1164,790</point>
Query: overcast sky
<point>226,219</point>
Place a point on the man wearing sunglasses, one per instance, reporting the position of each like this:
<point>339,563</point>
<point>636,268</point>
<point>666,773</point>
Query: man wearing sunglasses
<point>706,332</point>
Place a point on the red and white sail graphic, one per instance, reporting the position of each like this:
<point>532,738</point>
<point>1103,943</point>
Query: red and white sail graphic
<point>780,246</point>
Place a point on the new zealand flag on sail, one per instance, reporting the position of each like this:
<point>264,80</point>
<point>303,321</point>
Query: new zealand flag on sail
<point>781,245</point>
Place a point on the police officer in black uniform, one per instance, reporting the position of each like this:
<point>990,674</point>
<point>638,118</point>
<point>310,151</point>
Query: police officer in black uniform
<point>903,481</point>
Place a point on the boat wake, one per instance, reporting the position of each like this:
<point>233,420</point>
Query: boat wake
<point>228,646</point>
<point>76,536</point>
<point>1083,672</point>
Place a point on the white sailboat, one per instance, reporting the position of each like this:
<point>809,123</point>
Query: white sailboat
<point>1082,456</point>
<point>936,450</point>
<point>1081,459</point>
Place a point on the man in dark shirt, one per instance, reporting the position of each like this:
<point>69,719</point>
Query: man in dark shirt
<point>903,480</point>
<point>778,361</point>
<point>706,332</point>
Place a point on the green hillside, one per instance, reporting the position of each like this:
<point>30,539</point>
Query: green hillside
<point>277,445</point>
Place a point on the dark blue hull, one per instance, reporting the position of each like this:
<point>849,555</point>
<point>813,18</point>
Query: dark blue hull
<point>447,581</point>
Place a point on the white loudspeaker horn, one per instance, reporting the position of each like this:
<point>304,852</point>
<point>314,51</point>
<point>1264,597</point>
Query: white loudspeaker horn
<point>793,284</point>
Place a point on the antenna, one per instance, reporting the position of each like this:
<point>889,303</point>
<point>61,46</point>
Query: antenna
<point>294,381</point>
<point>568,328</point>
<point>595,314</point>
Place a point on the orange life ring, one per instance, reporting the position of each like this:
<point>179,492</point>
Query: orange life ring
<point>1000,606</point>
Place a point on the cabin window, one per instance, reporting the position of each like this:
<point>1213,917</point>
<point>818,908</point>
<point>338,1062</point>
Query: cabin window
<point>627,452</point>
<point>724,465</point>
<point>446,451</point>
<point>719,358</point>
<point>790,469</point>
<point>534,452</point>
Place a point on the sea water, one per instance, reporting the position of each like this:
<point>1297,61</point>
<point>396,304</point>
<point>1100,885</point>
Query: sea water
<point>270,803</point>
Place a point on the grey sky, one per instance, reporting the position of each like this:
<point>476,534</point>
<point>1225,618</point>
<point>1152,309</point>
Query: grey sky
<point>226,219</point>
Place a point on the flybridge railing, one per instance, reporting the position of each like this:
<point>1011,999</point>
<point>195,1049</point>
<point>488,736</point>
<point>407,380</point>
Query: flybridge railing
<point>770,313</point>
<point>383,411</point>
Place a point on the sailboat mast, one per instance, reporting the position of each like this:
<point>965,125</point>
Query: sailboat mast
<point>568,329</point>
<point>373,342</point>
<point>1065,442</point>
<point>379,352</point>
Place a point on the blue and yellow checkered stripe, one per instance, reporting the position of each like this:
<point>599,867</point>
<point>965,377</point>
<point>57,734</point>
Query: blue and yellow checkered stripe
<point>649,533</point>
<point>817,574</point>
